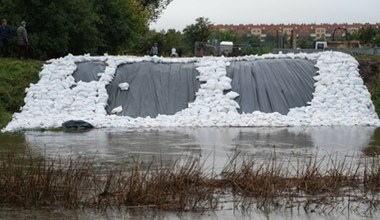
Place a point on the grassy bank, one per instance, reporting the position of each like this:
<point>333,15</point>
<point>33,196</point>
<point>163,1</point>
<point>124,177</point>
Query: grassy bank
<point>370,71</point>
<point>15,76</point>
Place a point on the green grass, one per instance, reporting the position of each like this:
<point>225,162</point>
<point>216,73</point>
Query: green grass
<point>370,73</point>
<point>15,76</point>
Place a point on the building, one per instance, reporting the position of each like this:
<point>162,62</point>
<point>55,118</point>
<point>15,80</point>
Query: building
<point>315,31</point>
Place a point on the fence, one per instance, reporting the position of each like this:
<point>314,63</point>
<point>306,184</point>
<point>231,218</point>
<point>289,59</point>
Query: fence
<point>353,51</point>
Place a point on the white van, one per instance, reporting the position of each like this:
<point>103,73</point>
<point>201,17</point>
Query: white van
<point>225,48</point>
<point>320,45</point>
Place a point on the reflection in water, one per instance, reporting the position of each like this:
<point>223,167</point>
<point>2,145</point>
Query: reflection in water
<point>373,147</point>
<point>213,145</point>
<point>12,142</point>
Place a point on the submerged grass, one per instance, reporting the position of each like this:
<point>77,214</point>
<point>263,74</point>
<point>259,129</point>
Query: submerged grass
<point>35,182</point>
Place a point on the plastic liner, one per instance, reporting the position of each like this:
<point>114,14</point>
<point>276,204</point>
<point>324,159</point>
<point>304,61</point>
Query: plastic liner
<point>273,85</point>
<point>88,71</point>
<point>153,88</point>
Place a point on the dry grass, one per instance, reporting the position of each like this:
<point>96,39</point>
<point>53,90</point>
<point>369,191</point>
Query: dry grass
<point>36,182</point>
<point>325,183</point>
<point>173,187</point>
<point>185,186</point>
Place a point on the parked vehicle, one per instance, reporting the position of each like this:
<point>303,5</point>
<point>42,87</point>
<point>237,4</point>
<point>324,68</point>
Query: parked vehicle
<point>320,45</point>
<point>225,48</point>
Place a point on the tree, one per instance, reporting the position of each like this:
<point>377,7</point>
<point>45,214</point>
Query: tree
<point>251,40</point>
<point>270,41</point>
<point>57,28</point>
<point>353,36</point>
<point>376,40</point>
<point>147,41</point>
<point>121,23</point>
<point>253,45</point>
<point>367,35</point>
<point>53,25</point>
<point>305,42</point>
<point>165,41</point>
<point>173,38</point>
<point>227,35</point>
<point>154,8</point>
<point>200,31</point>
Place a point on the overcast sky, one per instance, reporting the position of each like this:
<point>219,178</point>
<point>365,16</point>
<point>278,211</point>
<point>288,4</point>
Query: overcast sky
<point>181,13</point>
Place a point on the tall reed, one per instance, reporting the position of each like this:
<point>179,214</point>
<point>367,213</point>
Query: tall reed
<point>184,185</point>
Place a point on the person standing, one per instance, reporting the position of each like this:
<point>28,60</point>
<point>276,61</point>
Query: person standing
<point>179,52</point>
<point>154,50</point>
<point>5,35</point>
<point>174,52</point>
<point>22,41</point>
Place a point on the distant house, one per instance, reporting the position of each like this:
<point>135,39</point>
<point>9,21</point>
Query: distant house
<point>315,31</point>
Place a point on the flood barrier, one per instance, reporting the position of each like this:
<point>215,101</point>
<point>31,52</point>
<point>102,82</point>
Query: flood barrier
<point>319,89</point>
<point>274,85</point>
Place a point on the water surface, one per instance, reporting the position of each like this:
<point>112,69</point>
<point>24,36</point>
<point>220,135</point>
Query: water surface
<point>212,145</point>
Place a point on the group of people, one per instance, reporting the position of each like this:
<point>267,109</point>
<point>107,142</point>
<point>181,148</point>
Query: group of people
<point>22,39</point>
<point>174,52</point>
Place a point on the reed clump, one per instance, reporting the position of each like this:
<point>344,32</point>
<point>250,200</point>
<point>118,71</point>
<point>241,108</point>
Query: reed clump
<point>38,182</point>
<point>184,185</point>
<point>174,186</point>
<point>326,182</point>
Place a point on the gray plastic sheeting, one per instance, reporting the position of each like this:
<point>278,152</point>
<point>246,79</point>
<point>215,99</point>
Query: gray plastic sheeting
<point>153,88</point>
<point>88,71</point>
<point>273,85</point>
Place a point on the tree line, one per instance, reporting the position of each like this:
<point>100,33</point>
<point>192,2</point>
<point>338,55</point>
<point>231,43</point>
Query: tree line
<point>56,28</point>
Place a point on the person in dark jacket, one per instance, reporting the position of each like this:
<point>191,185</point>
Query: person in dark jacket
<point>22,41</point>
<point>5,35</point>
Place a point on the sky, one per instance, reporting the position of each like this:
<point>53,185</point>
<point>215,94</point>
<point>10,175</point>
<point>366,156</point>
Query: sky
<point>181,13</point>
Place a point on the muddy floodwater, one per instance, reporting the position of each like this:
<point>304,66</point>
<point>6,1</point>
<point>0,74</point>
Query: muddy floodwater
<point>214,146</point>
